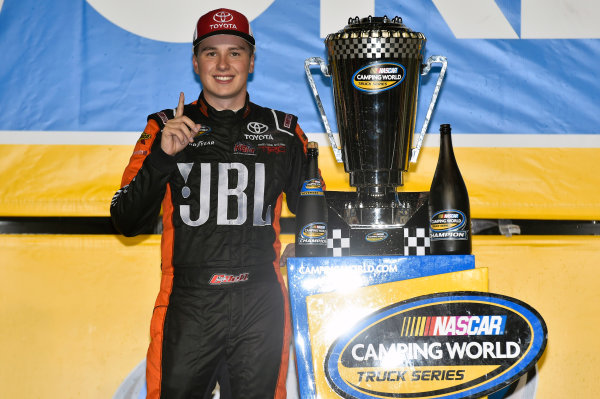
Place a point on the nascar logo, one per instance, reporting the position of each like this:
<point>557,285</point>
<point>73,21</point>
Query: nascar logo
<point>453,325</point>
<point>203,129</point>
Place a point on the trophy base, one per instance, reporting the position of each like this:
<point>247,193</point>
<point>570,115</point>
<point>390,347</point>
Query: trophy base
<point>397,224</point>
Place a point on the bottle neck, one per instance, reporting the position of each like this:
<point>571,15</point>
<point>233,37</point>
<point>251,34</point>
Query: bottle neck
<point>446,148</point>
<point>313,162</point>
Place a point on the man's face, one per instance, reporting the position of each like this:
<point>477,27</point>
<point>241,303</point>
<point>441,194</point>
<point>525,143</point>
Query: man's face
<point>223,63</point>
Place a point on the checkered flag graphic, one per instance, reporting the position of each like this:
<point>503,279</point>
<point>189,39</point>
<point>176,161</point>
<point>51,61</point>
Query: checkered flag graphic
<point>384,47</point>
<point>338,245</point>
<point>416,242</point>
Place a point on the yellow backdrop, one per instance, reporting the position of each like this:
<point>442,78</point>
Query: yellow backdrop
<point>75,310</point>
<point>505,183</point>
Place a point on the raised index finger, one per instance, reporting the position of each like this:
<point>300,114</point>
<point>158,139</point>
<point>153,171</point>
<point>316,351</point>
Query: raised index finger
<point>179,110</point>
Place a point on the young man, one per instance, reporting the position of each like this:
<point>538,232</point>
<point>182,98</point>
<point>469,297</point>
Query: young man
<point>218,167</point>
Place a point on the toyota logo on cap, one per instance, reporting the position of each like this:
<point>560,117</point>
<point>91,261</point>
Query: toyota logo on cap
<point>257,127</point>
<point>223,16</point>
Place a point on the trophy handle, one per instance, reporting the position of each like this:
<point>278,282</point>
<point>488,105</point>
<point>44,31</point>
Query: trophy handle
<point>325,70</point>
<point>426,68</point>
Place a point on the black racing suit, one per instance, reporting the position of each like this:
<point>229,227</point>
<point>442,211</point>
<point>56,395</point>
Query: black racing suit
<point>222,298</point>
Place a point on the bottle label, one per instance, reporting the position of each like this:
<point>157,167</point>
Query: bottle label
<point>313,233</point>
<point>449,224</point>
<point>311,187</point>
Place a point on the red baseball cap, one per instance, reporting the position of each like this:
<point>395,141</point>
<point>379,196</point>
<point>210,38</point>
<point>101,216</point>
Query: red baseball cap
<point>223,21</point>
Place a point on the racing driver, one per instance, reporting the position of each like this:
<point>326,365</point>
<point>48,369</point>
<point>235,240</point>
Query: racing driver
<point>218,167</point>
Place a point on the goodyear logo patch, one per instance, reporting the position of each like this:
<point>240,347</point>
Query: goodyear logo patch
<point>378,77</point>
<point>444,346</point>
<point>376,236</point>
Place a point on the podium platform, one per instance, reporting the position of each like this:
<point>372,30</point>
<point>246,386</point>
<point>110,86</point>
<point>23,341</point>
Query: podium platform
<point>329,295</point>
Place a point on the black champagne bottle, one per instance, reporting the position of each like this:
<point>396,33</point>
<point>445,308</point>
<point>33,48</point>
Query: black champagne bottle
<point>449,210</point>
<point>311,213</point>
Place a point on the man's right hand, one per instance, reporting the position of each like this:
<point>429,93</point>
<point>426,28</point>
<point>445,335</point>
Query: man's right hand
<point>179,131</point>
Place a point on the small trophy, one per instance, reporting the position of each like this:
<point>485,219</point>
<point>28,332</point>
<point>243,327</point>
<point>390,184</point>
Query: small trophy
<point>376,65</point>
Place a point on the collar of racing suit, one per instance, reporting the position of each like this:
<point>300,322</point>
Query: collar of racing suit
<point>225,115</point>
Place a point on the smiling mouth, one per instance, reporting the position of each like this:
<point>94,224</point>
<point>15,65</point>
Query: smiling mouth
<point>224,79</point>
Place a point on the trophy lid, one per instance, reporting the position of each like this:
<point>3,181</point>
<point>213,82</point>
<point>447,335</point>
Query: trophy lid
<point>375,27</point>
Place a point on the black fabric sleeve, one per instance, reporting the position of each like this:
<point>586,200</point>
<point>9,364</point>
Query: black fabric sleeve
<point>136,206</point>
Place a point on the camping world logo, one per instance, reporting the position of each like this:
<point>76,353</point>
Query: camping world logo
<point>444,346</point>
<point>376,236</point>
<point>377,77</point>
<point>313,233</point>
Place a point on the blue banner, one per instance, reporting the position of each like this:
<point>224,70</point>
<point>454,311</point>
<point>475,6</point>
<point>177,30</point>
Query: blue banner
<point>101,66</point>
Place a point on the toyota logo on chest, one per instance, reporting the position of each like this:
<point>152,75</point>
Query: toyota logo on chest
<point>257,127</point>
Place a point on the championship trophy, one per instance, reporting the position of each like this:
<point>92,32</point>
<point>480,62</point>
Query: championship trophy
<point>376,64</point>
